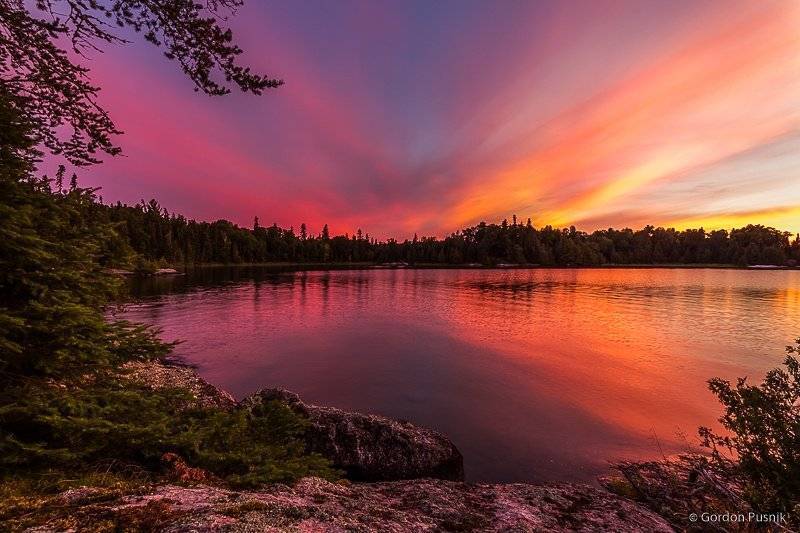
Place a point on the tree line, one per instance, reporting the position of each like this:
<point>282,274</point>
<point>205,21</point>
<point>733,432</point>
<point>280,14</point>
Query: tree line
<point>70,415</point>
<point>70,418</point>
<point>165,238</point>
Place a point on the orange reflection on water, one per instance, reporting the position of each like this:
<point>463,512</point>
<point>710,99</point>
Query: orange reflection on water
<point>633,348</point>
<point>535,374</point>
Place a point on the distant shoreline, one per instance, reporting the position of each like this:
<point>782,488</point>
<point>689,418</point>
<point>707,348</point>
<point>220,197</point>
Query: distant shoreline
<point>432,266</point>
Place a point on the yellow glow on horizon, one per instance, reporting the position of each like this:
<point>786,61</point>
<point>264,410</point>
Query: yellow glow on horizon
<point>691,108</point>
<point>783,218</point>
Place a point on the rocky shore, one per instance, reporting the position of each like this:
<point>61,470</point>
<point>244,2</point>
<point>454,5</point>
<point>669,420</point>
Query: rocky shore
<point>313,504</point>
<point>365,447</point>
<point>401,477</point>
<point>371,447</point>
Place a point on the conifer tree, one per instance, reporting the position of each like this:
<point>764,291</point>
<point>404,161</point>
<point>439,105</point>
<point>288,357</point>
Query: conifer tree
<point>63,403</point>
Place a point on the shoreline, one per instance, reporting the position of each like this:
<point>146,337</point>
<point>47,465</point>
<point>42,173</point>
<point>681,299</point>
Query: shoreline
<point>654,494</point>
<point>184,267</point>
<point>399,477</point>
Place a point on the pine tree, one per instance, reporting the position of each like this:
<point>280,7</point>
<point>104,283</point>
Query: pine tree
<point>63,406</point>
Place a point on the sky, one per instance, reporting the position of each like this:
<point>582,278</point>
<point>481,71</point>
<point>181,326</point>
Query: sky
<point>426,117</point>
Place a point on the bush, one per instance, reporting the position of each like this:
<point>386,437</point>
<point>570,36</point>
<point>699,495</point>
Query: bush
<point>763,444</point>
<point>69,428</point>
<point>62,406</point>
<point>249,447</point>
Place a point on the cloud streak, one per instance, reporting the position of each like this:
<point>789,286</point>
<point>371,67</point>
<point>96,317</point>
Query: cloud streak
<point>427,117</point>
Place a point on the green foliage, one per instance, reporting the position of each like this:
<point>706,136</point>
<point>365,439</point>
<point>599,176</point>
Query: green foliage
<point>63,407</point>
<point>251,447</point>
<point>62,404</point>
<point>144,267</point>
<point>77,426</point>
<point>28,502</point>
<point>48,314</point>
<point>53,285</point>
<point>763,443</point>
<point>58,407</point>
<point>54,250</point>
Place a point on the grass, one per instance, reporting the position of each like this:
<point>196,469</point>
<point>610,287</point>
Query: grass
<point>33,500</point>
<point>248,506</point>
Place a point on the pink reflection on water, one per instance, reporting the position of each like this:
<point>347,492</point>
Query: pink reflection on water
<point>535,374</point>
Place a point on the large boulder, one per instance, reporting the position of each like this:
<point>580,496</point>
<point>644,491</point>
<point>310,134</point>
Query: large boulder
<point>366,447</point>
<point>371,447</point>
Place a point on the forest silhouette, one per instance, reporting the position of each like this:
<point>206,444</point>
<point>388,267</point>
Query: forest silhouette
<point>167,238</point>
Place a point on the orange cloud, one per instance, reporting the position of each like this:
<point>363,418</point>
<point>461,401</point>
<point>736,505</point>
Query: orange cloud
<point>588,114</point>
<point>719,95</point>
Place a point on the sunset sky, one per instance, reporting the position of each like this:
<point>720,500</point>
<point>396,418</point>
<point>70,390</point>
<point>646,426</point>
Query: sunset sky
<point>403,117</point>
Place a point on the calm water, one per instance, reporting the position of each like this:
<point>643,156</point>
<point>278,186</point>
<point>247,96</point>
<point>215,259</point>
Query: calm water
<point>534,374</point>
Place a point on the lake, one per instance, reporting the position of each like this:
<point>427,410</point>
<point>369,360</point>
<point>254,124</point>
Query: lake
<point>536,375</point>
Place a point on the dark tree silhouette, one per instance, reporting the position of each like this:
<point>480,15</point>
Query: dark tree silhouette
<point>52,91</point>
<point>63,408</point>
<point>160,237</point>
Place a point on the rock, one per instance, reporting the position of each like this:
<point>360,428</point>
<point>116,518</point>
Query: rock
<point>366,447</point>
<point>156,375</point>
<point>119,272</point>
<point>371,447</point>
<point>177,470</point>
<point>166,272</point>
<point>413,505</point>
<point>680,486</point>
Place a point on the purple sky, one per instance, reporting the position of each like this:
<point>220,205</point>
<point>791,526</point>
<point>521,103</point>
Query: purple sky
<point>428,116</point>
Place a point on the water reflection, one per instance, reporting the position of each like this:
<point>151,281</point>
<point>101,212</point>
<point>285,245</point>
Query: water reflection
<point>535,374</point>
